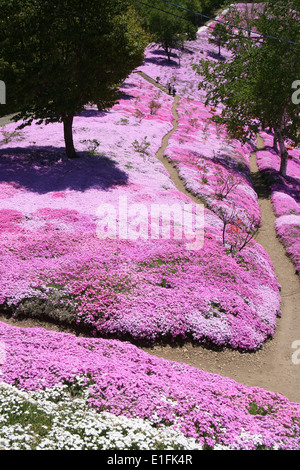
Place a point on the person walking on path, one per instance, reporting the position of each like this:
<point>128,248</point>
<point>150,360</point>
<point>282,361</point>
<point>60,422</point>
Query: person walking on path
<point>174,90</point>
<point>169,88</point>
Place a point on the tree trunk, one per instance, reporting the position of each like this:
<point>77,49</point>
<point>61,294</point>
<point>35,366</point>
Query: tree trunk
<point>283,156</point>
<point>68,135</point>
<point>275,141</point>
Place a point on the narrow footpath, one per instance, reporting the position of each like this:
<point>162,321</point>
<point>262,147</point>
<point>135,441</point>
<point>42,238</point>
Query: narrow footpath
<point>272,367</point>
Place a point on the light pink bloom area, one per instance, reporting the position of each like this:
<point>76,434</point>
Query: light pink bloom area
<point>124,293</point>
<point>285,195</point>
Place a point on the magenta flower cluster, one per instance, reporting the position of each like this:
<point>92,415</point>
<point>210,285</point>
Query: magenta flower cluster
<point>126,381</point>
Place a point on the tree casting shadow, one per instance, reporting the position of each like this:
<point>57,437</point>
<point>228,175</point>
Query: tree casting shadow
<point>47,169</point>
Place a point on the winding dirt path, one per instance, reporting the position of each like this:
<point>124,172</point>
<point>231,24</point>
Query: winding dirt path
<point>271,367</point>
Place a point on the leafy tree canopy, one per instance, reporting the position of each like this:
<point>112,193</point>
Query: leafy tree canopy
<point>168,25</point>
<point>255,85</point>
<point>59,55</point>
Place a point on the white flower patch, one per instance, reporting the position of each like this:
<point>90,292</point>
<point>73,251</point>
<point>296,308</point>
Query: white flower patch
<point>54,420</point>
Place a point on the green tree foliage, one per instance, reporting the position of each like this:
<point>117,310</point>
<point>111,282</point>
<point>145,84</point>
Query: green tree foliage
<point>168,25</point>
<point>255,85</point>
<point>59,55</point>
<point>219,36</point>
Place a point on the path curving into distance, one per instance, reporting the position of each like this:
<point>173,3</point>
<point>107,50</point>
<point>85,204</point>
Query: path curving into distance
<point>271,367</point>
<point>160,155</point>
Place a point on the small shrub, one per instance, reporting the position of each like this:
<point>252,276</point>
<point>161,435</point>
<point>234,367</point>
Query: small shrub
<point>154,107</point>
<point>141,147</point>
<point>92,145</point>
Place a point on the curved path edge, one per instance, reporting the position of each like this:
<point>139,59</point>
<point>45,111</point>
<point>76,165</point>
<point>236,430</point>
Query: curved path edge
<point>272,367</point>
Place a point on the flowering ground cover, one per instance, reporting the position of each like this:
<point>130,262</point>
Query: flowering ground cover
<point>159,399</point>
<point>55,265</point>
<point>285,195</point>
<point>213,166</point>
<point>59,418</point>
<point>60,391</point>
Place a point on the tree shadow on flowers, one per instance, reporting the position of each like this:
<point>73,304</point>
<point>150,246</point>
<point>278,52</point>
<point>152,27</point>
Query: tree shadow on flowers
<point>161,61</point>
<point>289,185</point>
<point>216,56</point>
<point>47,169</point>
<point>232,165</point>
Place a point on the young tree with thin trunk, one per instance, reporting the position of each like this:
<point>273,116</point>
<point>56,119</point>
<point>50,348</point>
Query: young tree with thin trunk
<point>255,85</point>
<point>219,36</point>
<point>59,55</point>
<point>168,25</point>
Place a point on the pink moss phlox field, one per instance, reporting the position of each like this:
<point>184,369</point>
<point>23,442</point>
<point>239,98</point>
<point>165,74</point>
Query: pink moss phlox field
<point>180,71</point>
<point>206,158</point>
<point>146,290</point>
<point>126,381</point>
<point>285,195</point>
<point>212,165</point>
<point>149,290</point>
